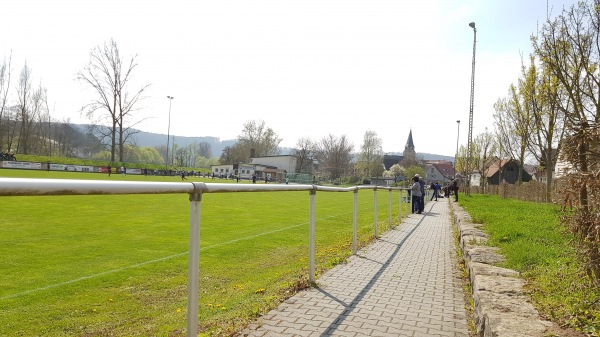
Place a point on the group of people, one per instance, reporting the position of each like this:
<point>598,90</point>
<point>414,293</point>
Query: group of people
<point>417,191</point>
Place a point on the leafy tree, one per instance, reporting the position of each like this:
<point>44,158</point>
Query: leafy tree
<point>410,172</point>
<point>569,48</point>
<point>203,162</point>
<point>542,94</point>
<point>396,170</point>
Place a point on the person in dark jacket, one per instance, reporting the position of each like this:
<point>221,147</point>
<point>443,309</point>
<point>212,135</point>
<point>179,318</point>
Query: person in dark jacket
<point>455,188</point>
<point>415,191</point>
<point>422,201</point>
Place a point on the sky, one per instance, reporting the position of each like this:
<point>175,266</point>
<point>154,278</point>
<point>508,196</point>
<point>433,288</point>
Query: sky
<point>306,68</point>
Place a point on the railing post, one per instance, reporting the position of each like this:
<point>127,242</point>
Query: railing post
<point>400,206</point>
<point>194,265</point>
<point>390,209</point>
<point>410,200</point>
<point>311,237</point>
<point>375,211</point>
<point>355,224</point>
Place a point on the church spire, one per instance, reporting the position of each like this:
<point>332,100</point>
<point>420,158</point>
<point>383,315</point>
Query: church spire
<point>409,149</point>
<point>409,143</point>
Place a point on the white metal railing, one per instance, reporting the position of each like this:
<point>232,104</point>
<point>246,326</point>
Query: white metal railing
<point>46,187</point>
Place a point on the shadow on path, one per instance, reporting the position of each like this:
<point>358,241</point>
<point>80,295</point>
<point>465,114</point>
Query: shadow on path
<point>350,307</point>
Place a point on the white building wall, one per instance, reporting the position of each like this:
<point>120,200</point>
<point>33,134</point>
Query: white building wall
<point>287,163</point>
<point>224,170</point>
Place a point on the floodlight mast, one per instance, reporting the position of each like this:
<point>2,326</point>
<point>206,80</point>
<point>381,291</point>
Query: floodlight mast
<point>469,171</point>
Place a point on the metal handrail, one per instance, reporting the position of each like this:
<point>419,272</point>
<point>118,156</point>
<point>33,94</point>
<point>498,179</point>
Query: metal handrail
<point>47,187</point>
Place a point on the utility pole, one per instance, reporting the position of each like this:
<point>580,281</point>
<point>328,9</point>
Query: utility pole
<point>168,134</point>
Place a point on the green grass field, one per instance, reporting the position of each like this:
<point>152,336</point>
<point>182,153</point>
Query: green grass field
<point>537,245</point>
<point>117,265</point>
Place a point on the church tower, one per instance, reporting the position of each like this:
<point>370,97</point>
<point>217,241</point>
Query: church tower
<point>409,148</point>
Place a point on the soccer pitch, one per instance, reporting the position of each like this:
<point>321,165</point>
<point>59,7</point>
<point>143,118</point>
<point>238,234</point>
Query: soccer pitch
<point>117,264</point>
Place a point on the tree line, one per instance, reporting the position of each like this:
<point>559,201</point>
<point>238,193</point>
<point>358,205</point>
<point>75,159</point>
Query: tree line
<point>552,113</point>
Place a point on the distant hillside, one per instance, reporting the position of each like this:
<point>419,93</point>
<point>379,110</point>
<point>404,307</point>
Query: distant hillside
<point>148,139</point>
<point>427,156</point>
<point>143,139</point>
<point>154,139</point>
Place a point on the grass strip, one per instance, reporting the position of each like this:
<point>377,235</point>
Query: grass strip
<point>540,248</point>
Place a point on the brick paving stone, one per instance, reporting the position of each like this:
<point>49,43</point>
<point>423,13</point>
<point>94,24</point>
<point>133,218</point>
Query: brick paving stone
<point>401,285</point>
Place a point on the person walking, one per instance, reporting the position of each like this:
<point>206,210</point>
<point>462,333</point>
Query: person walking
<point>434,190</point>
<point>415,191</point>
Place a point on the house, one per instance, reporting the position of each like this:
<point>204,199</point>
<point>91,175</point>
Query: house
<point>506,170</point>
<point>476,178</point>
<point>222,170</point>
<point>274,168</point>
<point>287,163</point>
<point>391,160</point>
<point>439,171</point>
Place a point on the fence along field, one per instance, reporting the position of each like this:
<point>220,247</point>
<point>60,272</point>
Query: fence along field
<point>102,265</point>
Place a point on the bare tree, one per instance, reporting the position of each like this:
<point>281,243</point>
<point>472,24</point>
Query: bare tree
<point>262,139</point>
<point>31,103</point>
<point>370,158</point>
<point>335,155</point>
<point>305,153</point>
<point>110,76</point>
<point>5,72</point>
<point>484,147</point>
<point>256,137</point>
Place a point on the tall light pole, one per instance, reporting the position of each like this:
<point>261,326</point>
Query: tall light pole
<point>456,153</point>
<point>468,166</point>
<point>168,134</point>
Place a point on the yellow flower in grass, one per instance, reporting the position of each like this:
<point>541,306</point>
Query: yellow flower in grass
<point>260,291</point>
<point>178,310</point>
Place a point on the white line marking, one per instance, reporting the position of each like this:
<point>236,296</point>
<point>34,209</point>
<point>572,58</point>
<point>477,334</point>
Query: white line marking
<point>83,278</point>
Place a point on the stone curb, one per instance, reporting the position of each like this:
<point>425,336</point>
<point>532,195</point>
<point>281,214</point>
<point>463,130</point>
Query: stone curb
<point>502,309</point>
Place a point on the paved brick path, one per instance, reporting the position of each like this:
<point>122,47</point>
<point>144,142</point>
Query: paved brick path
<point>402,285</point>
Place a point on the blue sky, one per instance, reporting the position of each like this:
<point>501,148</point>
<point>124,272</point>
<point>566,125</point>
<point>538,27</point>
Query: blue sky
<point>307,68</point>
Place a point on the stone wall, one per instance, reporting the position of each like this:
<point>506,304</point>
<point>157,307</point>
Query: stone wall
<point>502,309</point>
